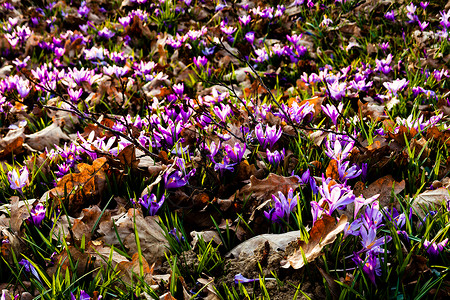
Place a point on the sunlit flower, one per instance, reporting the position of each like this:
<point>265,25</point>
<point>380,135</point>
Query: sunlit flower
<point>37,215</point>
<point>150,203</point>
<point>18,180</point>
<point>239,278</point>
<point>269,137</point>
<point>433,248</point>
<point>283,206</point>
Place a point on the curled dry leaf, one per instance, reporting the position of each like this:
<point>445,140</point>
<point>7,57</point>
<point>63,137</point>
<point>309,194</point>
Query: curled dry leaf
<point>152,241</point>
<point>131,270</point>
<point>426,200</point>
<point>263,189</point>
<point>323,233</point>
<point>95,256</point>
<point>89,183</point>
<point>46,138</point>
<point>382,186</point>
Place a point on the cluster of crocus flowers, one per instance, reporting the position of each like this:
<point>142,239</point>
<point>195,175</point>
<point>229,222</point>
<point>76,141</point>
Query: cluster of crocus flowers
<point>268,137</point>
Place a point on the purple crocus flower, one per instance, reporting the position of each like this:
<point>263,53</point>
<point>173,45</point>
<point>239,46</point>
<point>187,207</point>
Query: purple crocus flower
<point>434,249</point>
<point>390,15</point>
<point>348,173</point>
<point>235,153</point>
<point>269,137</point>
<point>424,5</point>
<point>173,232</point>
<point>332,112</point>
<point>17,182</point>
<point>239,278</point>
<point>37,215</point>
<point>23,87</point>
<point>370,242</point>
<point>316,211</point>
<point>423,25</point>
<point>105,33</point>
<point>283,206</point>
<point>396,86</point>
<point>177,178</point>
<point>223,166</point>
<point>213,148</point>
<point>361,201</point>
<point>245,20</point>
<point>74,95</point>
<point>371,266</point>
<point>28,267</point>
<point>275,157</point>
<point>250,37</point>
<point>222,112</point>
<point>178,88</point>
<point>338,148</point>
<point>83,10</point>
<point>83,296</point>
<point>150,203</point>
<point>200,61</point>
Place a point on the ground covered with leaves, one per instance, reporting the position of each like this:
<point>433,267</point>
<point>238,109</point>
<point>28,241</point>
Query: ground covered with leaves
<point>224,150</point>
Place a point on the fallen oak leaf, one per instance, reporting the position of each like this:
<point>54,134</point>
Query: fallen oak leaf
<point>89,183</point>
<point>324,232</point>
<point>263,189</point>
<point>424,201</point>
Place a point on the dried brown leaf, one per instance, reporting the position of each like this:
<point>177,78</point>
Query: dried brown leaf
<point>324,232</point>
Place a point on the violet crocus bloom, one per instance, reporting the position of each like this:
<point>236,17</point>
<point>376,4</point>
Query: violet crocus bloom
<point>269,137</point>
<point>235,153</point>
<point>390,15</point>
<point>83,296</point>
<point>213,148</point>
<point>337,90</point>
<point>74,95</point>
<point>396,86</point>
<point>370,242</point>
<point>250,37</point>
<point>423,25</point>
<point>361,201</point>
<point>239,278</point>
<point>178,178</point>
<point>150,203</point>
<point>434,249</point>
<point>332,112</point>
<point>223,166</point>
<point>23,87</point>
<point>339,149</point>
<point>200,61</point>
<point>28,267</point>
<point>178,88</point>
<point>222,112</point>
<point>37,215</point>
<point>371,266</point>
<point>316,211</point>
<point>348,173</point>
<point>105,33</point>
<point>245,20</point>
<point>283,206</point>
<point>83,10</point>
<point>17,182</point>
<point>275,157</point>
